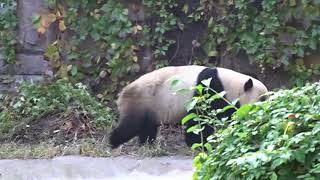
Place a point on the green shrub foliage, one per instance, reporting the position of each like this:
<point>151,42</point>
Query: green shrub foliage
<point>275,139</point>
<point>36,101</point>
<point>8,24</point>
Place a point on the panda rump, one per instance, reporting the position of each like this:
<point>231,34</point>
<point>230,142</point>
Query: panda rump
<point>149,101</point>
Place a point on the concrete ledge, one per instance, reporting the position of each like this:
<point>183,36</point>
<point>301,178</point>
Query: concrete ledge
<point>10,83</point>
<point>113,168</point>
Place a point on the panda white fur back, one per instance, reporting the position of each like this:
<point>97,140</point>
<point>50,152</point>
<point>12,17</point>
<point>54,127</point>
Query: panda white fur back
<point>149,101</point>
<point>153,90</point>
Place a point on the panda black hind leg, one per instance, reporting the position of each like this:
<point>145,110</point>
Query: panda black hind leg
<point>149,129</point>
<point>126,130</point>
<point>140,123</point>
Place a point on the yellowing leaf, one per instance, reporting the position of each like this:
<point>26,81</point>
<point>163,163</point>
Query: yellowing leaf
<point>135,30</point>
<point>114,46</point>
<point>67,125</point>
<point>44,23</point>
<point>100,96</point>
<point>96,10</point>
<point>134,48</point>
<point>185,8</point>
<point>69,67</point>
<point>62,26</point>
<point>58,14</point>
<point>139,28</point>
<point>51,18</point>
<point>41,30</point>
<point>212,53</point>
<point>135,59</point>
<point>60,8</point>
<point>47,20</point>
<point>290,127</point>
<point>97,16</point>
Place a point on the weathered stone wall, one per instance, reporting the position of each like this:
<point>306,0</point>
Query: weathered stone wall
<point>272,78</point>
<point>30,64</point>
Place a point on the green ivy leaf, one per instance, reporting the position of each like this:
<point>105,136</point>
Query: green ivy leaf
<point>35,18</point>
<point>174,83</point>
<point>209,148</point>
<point>190,105</point>
<point>193,128</point>
<point>293,3</point>
<point>274,176</point>
<point>316,170</point>
<point>299,155</point>
<point>74,70</point>
<point>183,91</point>
<point>206,82</point>
<point>196,146</point>
<point>188,118</point>
<point>243,111</point>
<point>197,130</point>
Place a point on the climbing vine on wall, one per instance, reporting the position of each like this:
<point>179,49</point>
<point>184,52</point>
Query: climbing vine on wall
<point>108,28</point>
<point>101,40</point>
<point>97,38</point>
<point>272,32</point>
<point>165,21</point>
<point>8,23</point>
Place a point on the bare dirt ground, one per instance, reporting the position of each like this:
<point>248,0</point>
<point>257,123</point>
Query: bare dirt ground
<point>170,142</point>
<point>56,135</point>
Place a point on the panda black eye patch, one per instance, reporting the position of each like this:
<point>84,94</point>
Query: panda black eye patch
<point>263,98</point>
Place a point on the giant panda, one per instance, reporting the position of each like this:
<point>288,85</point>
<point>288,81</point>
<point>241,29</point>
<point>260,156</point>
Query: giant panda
<point>149,101</point>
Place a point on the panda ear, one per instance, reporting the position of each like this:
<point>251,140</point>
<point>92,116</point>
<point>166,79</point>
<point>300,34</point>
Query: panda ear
<point>248,85</point>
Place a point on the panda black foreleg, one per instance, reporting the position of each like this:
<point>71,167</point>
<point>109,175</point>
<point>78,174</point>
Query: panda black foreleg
<point>149,130</point>
<point>208,130</point>
<point>148,134</point>
<point>129,127</point>
<point>191,138</point>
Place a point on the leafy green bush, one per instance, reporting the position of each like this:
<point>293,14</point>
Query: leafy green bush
<point>36,101</point>
<point>275,139</point>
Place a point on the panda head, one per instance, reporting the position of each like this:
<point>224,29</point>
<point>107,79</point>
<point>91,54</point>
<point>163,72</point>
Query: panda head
<point>253,91</point>
<point>241,86</point>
